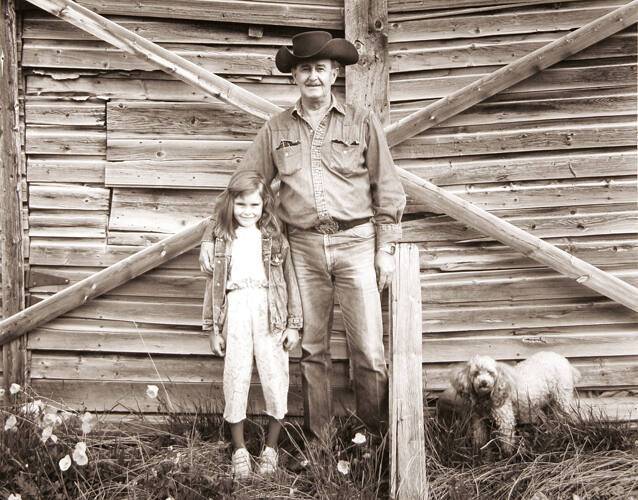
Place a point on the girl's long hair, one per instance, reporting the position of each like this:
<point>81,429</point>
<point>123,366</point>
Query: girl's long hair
<point>240,183</point>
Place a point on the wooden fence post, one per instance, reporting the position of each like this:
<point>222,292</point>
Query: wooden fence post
<point>407,436</point>
<point>10,205</point>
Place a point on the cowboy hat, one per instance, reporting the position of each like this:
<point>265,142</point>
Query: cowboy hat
<point>311,45</point>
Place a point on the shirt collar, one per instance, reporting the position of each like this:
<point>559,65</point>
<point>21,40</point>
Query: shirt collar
<point>334,104</point>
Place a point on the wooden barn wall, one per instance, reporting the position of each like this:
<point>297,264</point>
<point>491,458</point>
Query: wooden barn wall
<point>120,155</point>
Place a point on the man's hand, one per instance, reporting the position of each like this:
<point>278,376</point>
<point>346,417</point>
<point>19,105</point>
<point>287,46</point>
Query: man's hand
<point>206,256</point>
<point>217,343</point>
<point>384,265</point>
<point>289,339</point>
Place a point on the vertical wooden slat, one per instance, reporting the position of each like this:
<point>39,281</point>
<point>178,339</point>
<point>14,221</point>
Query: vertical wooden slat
<point>10,209</point>
<point>367,82</point>
<point>407,439</point>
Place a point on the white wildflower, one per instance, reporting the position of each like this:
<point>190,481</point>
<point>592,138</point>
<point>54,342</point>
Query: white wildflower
<point>66,415</point>
<point>359,438</point>
<point>65,463</point>
<point>10,423</point>
<point>88,422</point>
<point>54,438</point>
<point>14,389</point>
<point>79,454</point>
<point>14,496</point>
<point>33,407</point>
<point>152,391</point>
<point>47,432</point>
<point>51,420</point>
<point>343,466</point>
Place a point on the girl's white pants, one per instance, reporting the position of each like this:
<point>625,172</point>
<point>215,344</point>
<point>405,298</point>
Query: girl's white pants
<point>248,336</point>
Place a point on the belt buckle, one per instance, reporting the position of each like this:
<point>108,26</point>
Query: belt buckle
<point>327,227</point>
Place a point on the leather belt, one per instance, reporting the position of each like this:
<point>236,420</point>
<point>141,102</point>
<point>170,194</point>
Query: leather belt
<point>334,226</point>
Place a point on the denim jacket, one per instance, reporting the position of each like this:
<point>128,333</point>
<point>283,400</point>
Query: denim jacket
<point>284,301</point>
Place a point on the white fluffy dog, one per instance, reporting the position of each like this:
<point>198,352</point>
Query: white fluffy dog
<point>506,395</point>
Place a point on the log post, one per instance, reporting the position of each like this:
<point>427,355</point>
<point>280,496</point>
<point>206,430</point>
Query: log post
<point>367,82</point>
<point>13,354</point>
<point>407,436</point>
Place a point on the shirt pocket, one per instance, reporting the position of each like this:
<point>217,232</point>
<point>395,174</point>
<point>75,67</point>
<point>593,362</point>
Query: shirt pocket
<point>287,156</point>
<point>346,157</point>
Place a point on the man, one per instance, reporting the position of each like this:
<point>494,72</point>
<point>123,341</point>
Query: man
<point>342,202</point>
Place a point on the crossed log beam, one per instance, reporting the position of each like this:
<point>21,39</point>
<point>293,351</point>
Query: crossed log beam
<point>419,189</point>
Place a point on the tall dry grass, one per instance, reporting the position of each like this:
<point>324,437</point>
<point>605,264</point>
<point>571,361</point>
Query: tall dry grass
<point>187,456</point>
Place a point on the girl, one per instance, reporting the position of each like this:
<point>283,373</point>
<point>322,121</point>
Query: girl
<point>252,297</point>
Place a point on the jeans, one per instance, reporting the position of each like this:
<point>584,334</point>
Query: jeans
<point>341,263</point>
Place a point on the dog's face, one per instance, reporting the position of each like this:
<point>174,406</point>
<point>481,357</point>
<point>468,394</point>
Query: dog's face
<point>482,373</point>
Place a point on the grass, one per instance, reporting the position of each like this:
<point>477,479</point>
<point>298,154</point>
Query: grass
<point>187,457</point>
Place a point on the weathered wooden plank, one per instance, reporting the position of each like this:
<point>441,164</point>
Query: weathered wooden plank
<point>574,75</point>
<point>532,136</point>
<point>66,169</point>
<point>44,26</point>
<point>409,5</point>
<point>133,238</point>
<point>67,225</point>
<point>596,373</point>
<point>143,368</point>
<point>55,252</point>
<point>155,87</point>
<point>68,197</point>
<point>463,256</point>
<point>91,335</point>
<point>532,106</point>
<point>128,119</point>
<point>231,11</point>
<point>184,148</point>
<point>233,59</point>
<point>487,51</point>
<point>618,409</point>
<point>130,397</point>
<point>509,285</point>
<point>524,314</point>
<point>63,140</point>
<point>547,193</point>
<point>575,220</point>
<point>565,17</point>
<point>407,449</point>
<point>521,343</point>
<point>64,112</point>
<point>159,210</point>
<point>203,174</point>
<point>603,162</point>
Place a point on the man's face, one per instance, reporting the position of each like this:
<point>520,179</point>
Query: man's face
<point>315,78</point>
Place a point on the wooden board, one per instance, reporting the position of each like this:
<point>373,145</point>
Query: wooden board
<point>89,169</point>
<point>460,53</point>
<point>564,16</point>
<point>159,210</point>
<point>68,197</point>
<point>520,343</point>
<point>67,225</point>
<point>508,138</point>
<point>574,220</point>
<point>65,141</point>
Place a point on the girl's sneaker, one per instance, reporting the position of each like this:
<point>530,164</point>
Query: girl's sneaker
<point>241,464</point>
<point>267,463</point>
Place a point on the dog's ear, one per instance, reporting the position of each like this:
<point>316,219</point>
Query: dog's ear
<point>461,382</point>
<point>503,385</point>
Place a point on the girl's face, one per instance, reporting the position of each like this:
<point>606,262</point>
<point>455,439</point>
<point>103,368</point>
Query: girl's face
<point>247,209</point>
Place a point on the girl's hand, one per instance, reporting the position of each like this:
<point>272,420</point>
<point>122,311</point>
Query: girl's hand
<point>206,256</point>
<point>290,339</point>
<point>217,344</point>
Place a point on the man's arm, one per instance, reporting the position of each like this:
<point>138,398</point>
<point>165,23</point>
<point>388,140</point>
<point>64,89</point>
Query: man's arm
<point>388,198</point>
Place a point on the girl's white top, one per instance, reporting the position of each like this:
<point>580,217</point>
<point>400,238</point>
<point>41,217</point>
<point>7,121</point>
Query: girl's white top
<point>247,267</point>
